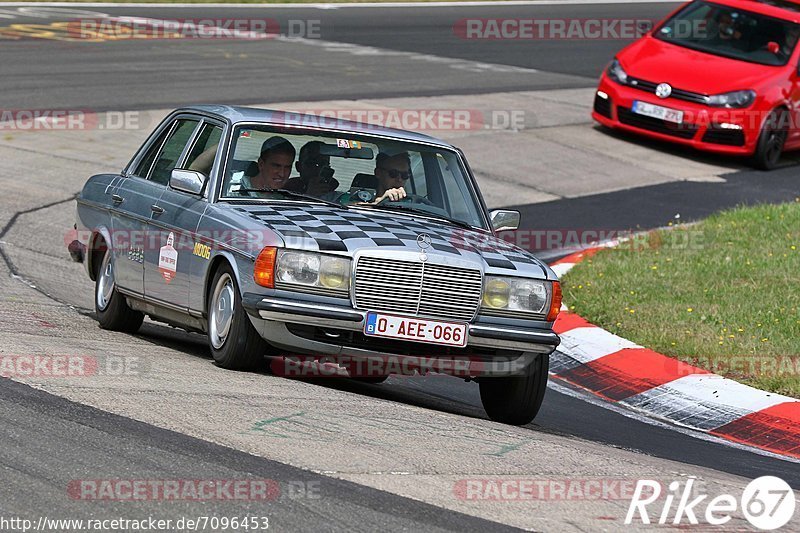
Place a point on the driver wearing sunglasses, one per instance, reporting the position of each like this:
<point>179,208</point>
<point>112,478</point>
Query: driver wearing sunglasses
<point>392,172</point>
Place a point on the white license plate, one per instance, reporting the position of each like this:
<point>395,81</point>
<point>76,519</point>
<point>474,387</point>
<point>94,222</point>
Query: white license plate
<point>416,329</point>
<point>657,111</point>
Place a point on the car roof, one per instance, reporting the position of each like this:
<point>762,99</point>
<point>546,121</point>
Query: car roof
<point>238,114</point>
<point>788,10</point>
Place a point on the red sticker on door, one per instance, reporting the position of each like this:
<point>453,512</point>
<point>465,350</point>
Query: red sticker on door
<point>168,259</point>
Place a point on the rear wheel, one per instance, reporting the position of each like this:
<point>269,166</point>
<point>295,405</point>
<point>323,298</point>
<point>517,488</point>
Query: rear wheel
<point>771,140</point>
<point>235,344</point>
<point>516,399</point>
<point>112,310</point>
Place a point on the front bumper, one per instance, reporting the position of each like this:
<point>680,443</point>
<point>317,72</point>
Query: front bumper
<point>282,310</point>
<point>725,131</point>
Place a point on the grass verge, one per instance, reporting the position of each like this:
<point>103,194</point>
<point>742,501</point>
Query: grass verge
<point>723,294</point>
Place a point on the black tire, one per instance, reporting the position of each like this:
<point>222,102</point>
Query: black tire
<point>516,400</point>
<point>110,306</point>
<point>771,140</point>
<point>234,342</point>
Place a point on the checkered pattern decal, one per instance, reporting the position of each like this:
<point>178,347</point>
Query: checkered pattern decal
<point>332,230</point>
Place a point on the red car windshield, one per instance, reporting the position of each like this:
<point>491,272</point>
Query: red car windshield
<point>725,31</point>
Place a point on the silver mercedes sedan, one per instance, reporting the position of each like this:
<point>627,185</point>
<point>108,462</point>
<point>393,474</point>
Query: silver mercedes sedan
<point>282,236</point>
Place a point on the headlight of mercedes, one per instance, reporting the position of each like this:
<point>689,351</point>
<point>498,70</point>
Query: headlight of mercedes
<point>617,73</point>
<point>515,296</point>
<point>313,272</point>
<point>732,100</point>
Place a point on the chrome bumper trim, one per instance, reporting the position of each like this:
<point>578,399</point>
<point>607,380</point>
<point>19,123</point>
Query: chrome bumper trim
<point>341,317</point>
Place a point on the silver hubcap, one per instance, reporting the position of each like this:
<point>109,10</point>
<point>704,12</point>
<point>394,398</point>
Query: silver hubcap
<point>105,282</point>
<point>221,314</point>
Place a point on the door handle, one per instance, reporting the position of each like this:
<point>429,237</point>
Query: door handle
<point>156,209</point>
<point>117,199</point>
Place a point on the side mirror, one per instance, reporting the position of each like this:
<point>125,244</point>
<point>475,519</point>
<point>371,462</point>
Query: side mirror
<point>504,220</point>
<point>188,181</point>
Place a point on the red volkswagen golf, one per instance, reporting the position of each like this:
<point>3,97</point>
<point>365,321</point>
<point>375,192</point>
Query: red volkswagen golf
<point>720,76</point>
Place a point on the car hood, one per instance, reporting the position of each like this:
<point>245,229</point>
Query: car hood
<point>345,232</point>
<point>657,61</point>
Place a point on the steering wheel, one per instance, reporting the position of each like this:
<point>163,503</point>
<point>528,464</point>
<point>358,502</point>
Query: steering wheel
<point>416,198</point>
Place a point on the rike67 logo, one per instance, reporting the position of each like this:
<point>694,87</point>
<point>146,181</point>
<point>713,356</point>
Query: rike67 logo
<point>767,502</point>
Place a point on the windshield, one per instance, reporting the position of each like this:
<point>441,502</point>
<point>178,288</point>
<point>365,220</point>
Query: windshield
<point>348,169</point>
<point>730,32</point>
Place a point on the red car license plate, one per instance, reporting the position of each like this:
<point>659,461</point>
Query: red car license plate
<point>656,111</point>
<point>415,329</point>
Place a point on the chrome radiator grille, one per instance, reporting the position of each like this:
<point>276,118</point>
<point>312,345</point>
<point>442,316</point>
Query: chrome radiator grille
<point>417,288</point>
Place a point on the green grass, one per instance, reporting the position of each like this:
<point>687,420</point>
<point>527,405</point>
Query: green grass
<point>723,294</point>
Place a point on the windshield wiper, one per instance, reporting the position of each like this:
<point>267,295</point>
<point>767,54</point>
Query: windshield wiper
<point>292,194</point>
<point>399,207</point>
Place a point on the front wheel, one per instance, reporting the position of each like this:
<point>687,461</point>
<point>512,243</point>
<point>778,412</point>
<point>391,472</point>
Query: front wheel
<point>516,399</point>
<point>110,306</point>
<point>235,344</point>
<point>771,140</point>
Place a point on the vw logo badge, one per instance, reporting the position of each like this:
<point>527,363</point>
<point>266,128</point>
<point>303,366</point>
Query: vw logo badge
<point>663,90</point>
<point>424,242</point>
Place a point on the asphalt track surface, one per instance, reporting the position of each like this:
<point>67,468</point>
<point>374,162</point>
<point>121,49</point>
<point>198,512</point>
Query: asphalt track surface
<point>146,75</point>
<point>156,75</point>
<point>44,465</point>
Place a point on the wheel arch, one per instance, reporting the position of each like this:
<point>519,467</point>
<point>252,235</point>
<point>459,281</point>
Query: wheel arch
<point>221,258</point>
<point>779,107</point>
<point>98,243</point>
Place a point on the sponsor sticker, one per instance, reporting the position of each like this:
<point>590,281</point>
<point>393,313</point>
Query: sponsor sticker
<point>202,250</point>
<point>346,143</point>
<point>168,259</point>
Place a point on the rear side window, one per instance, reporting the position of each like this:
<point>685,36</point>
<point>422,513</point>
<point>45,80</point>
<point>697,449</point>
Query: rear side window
<point>173,148</point>
<point>142,169</point>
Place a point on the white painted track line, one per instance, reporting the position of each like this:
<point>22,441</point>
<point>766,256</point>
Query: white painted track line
<point>589,344</point>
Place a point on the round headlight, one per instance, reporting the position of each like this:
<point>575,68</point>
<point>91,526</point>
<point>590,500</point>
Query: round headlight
<point>496,293</point>
<point>334,273</point>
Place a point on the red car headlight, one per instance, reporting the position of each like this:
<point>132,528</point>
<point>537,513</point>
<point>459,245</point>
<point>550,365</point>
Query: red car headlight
<point>732,100</point>
<point>617,73</point>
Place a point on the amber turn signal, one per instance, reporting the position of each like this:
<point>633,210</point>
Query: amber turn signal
<point>555,303</point>
<point>264,269</point>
